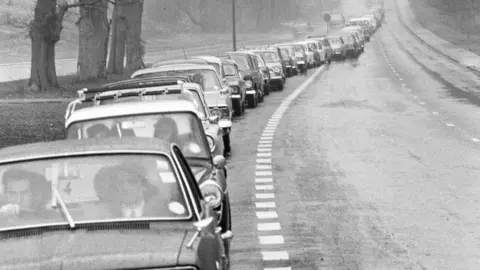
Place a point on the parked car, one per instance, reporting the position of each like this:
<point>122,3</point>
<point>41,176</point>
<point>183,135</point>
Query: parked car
<point>310,53</point>
<point>337,21</point>
<point>234,79</point>
<point>352,45</point>
<point>378,20</point>
<point>320,54</point>
<point>300,56</point>
<point>156,119</point>
<point>365,23</point>
<point>266,76</point>
<point>291,64</point>
<point>251,73</point>
<point>324,44</point>
<point>229,80</point>
<point>94,199</point>
<point>276,71</point>
<point>296,61</point>
<point>215,121</point>
<point>338,46</point>
<point>284,60</point>
<point>356,31</point>
<point>191,61</point>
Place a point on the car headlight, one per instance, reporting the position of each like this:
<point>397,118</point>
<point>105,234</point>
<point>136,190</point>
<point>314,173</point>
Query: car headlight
<point>211,143</point>
<point>212,193</point>
<point>216,112</point>
<point>248,84</point>
<point>276,69</point>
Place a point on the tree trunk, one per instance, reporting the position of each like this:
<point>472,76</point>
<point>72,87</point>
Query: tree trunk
<point>134,44</point>
<point>117,44</point>
<point>93,31</point>
<point>44,33</point>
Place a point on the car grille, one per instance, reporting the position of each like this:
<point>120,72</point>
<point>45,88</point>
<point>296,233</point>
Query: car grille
<point>235,89</point>
<point>225,112</point>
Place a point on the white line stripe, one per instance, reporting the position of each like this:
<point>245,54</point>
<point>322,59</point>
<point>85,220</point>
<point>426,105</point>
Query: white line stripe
<point>450,125</point>
<point>264,160</point>
<point>263,173</point>
<point>265,205</point>
<point>265,145</point>
<point>264,154</point>
<point>274,255</point>
<point>274,226</point>
<point>264,187</point>
<point>264,195</point>
<point>266,141</point>
<point>278,268</point>
<point>266,138</point>
<point>263,180</point>
<point>268,133</point>
<point>266,214</point>
<point>271,240</point>
<point>263,167</point>
<point>264,149</point>
<point>435,113</point>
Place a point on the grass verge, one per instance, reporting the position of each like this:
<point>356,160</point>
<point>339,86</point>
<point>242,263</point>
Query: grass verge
<point>436,18</point>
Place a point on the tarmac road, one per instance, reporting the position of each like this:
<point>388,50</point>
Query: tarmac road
<point>373,166</point>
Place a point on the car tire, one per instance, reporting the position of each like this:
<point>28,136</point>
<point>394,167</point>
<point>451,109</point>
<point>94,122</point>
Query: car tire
<point>226,144</point>
<point>261,96</point>
<point>280,86</point>
<point>252,101</point>
<point>266,89</point>
<point>238,107</point>
<point>226,222</point>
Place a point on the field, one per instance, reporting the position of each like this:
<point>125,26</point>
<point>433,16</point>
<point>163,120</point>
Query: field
<point>436,17</point>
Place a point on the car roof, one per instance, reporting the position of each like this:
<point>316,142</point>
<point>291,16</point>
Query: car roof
<point>209,58</point>
<point>172,67</point>
<point>43,150</point>
<point>181,62</point>
<point>131,108</point>
<point>241,52</point>
<point>228,61</point>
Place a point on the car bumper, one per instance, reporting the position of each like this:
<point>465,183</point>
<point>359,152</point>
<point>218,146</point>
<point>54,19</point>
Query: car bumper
<point>276,79</point>
<point>236,96</point>
<point>251,92</point>
<point>224,123</point>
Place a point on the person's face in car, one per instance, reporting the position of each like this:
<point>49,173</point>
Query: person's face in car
<point>165,132</point>
<point>132,190</point>
<point>18,192</point>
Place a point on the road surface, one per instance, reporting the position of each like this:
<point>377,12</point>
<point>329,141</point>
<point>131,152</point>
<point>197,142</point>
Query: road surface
<point>373,166</point>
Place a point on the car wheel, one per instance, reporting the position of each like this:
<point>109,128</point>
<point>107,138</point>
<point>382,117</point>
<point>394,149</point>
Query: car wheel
<point>226,144</point>
<point>266,89</point>
<point>238,107</point>
<point>260,96</point>
<point>280,86</point>
<point>252,101</point>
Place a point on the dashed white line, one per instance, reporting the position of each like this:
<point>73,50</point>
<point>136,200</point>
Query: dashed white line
<point>264,195</point>
<point>264,160</point>
<point>274,255</point>
<point>449,125</point>
<point>271,240</point>
<point>273,226</point>
<point>264,149</point>
<point>263,167</point>
<point>266,214</point>
<point>263,173</point>
<point>264,154</point>
<point>278,268</point>
<point>264,187</point>
<point>435,113</point>
<point>475,139</point>
<point>265,205</point>
<point>265,145</point>
<point>263,180</point>
<point>422,103</point>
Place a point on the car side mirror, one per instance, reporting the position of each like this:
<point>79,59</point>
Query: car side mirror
<point>219,162</point>
<point>213,119</point>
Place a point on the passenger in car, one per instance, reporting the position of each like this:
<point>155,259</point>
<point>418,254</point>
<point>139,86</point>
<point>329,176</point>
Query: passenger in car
<point>25,193</point>
<point>166,129</point>
<point>98,131</point>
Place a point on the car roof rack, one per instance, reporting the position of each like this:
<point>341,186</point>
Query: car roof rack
<point>129,88</point>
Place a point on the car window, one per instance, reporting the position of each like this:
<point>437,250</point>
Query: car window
<point>217,68</point>
<point>191,180</point>
<point>269,56</point>
<point>285,53</point>
<point>207,78</point>
<point>260,61</point>
<point>94,188</point>
<point>336,41</point>
<point>348,39</point>
<point>254,62</point>
<point>230,70</point>
<point>184,129</point>
<point>241,61</point>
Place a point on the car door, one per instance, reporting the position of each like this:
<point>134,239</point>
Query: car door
<point>256,71</point>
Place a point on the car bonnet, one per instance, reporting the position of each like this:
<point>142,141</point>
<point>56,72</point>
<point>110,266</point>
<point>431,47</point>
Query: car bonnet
<point>98,249</point>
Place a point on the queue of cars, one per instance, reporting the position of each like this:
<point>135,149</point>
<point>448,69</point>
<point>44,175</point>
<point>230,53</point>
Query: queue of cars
<point>140,180</point>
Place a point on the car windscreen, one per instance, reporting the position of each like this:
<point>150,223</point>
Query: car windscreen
<point>285,52</point>
<point>348,39</point>
<point>230,70</point>
<point>269,56</point>
<point>184,129</point>
<point>207,78</point>
<point>335,41</point>
<point>91,188</point>
<point>241,61</point>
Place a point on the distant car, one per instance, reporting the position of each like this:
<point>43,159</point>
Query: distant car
<point>378,20</point>
<point>357,31</point>
<point>276,71</point>
<point>339,47</point>
<point>309,52</point>
<point>251,73</point>
<point>295,60</point>
<point>266,76</point>
<point>337,21</point>
<point>324,45</point>
<point>352,45</point>
<point>300,55</point>
<point>111,203</point>
<point>365,23</point>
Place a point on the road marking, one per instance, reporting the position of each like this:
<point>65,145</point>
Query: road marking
<point>263,180</point>
<point>265,137</point>
<point>271,240</point>
<point>264,154</point>
<point>268,133</point>
<point>436,113</point>
<point>401,79</point>
<point>265,205</point>
<point>475,139</point>
<point>264,195</point>
<point>266,141</point>
<point>274,255</point>
<point>264,187</point>
<point>409,90</point>
<point>263,167</point>
<point>265,145</point>
<point>266,214</point>
<point>450,125</point>
<point>422,103</point>
<point>263,173</point>
<point>278,268</point>
<point>273,226</point>
<point>404,84</point>
<point>270,128</point>
<point>264,160</point>
<point>264,149</point>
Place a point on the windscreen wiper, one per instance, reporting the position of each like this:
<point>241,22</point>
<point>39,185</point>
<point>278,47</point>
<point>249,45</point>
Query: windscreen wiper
<point>63,207</point>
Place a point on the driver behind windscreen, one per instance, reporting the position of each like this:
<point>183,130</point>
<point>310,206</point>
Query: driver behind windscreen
<point>24,192</point>
<point>98,131</point>
<point>166,129</point>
